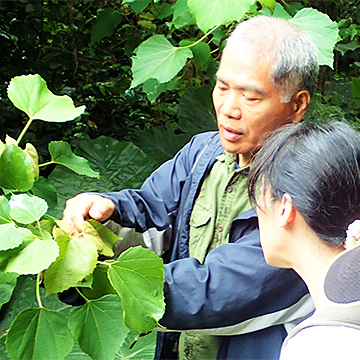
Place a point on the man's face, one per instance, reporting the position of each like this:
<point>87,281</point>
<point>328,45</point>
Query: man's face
<point>247,104</point>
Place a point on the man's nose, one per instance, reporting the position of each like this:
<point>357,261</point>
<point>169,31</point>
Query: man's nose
<point>231,105</point>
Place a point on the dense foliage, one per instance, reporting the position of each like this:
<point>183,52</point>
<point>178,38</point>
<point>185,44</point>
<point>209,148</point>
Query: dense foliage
<point>144,70</point>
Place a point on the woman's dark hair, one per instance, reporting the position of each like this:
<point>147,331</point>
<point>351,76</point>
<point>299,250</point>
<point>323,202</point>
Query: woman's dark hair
<point>319,167</point>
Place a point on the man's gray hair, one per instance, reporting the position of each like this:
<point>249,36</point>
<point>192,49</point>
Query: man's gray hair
<point>293,53</point>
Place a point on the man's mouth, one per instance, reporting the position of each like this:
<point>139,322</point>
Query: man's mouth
<point>231,134</point>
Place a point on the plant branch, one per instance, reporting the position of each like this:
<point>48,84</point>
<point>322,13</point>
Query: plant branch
<point>47,163</point>
<point>201,39</point>
<point>24,130</point>
<point>38,290</point>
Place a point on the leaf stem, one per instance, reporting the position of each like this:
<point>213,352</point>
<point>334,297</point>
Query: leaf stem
<point>201,39</point>
<point>24,130</point>
<point>47,163</point>
<point>38,290</point>
<point>82,295</point>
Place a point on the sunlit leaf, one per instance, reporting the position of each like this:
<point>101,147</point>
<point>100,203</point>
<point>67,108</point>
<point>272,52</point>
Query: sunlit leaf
<point>138,277</point>
<point>39,334</point>
<point>98,326</point>
<point>7,285</point>
<point>323,31</point>
<point>210,13</point>
<point>16,169</point>
<point>77,259</point>
<point>61,154</point>
<point>30,94</point>
<point>31,151</point>
<point>106,23</point>
<point>157,58</point>
<point>27,209</point>
<point>34,258</point>
<point>107,236</point>
<point>10,236</point>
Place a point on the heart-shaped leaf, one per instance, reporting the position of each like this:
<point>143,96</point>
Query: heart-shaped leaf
<point>39,334</point>
<point>323,31</point>
<point>98,326</point>
<point>138,277</point>
<point>157,58</point>
<point>34,258</point>
<point>10,236</point>
<point>61,154</point>
<point>30,94</point>
<point>26,209</point>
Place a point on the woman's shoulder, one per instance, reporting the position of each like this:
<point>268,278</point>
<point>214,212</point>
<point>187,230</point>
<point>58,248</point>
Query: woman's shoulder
<point>323,342</point>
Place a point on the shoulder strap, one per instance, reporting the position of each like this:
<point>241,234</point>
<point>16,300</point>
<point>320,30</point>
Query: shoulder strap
<point>348,316</point>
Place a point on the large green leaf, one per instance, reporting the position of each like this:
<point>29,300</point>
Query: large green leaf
<point>144,348</point>
<point>98,326</point>
<point>34,258</point>
<point>121,165</point>
<point>4,210</point>
<point>105,25</point>
<point>196,111</point>
<point>16,169</point>
<point>157,58</point>
<point>323,31</point>
<point>39,334</point>
<point>7,285</point>
<point>26,209</point>
<point>161,145</point>
<point>30,94</point>
<point>138,277</point>
<point>209,13</point>
<point>77,259</point>
<point>61,154</point>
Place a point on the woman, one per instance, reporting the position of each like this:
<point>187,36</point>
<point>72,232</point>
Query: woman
<point>309,181</point>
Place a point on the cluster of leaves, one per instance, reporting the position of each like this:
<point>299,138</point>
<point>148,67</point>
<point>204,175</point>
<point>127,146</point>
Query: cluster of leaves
<point>123,296</point>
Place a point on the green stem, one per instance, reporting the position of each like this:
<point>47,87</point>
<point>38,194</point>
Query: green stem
<point>24,130</point>
<point>82,295</point>
<point>38,290</point>
<point>45,164</point>
<point>201,39</point>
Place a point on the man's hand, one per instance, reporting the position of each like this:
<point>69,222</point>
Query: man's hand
<point>85,206</point>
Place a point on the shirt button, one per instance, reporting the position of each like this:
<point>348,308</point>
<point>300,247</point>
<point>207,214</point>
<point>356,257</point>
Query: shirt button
<point>229,189</point>
<point>186,351</point>
<point>220,228</point>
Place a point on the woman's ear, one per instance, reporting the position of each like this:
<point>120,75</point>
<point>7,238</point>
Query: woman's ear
<point>301,101</point>
<point>287,212</point>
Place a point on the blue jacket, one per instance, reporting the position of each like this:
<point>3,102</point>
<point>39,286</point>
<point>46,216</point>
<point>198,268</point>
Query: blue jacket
<point>234,294</point>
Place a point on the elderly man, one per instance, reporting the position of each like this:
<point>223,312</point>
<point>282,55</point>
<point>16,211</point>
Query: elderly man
<point>220,294</point>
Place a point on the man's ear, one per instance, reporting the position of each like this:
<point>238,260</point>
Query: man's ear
<point>301,101</point>
<point>287,212</point>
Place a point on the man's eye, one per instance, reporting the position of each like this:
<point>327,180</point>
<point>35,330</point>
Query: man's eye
<point>250,99</point>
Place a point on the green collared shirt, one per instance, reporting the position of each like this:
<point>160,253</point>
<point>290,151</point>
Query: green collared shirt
<point>223,197</point>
